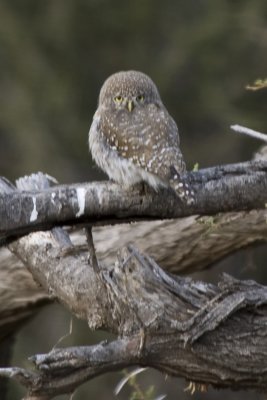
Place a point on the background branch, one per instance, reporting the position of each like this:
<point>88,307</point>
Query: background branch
<point>249,132</point>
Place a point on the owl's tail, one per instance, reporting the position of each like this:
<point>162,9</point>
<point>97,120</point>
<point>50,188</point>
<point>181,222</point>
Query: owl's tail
<point>182,188</point>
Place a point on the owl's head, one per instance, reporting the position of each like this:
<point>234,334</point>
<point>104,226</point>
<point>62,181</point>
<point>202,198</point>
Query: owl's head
<point>128,90</point>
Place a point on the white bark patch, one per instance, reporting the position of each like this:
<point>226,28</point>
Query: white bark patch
<point>34,213</point>
<point>81,201</point>
<point>53,195</point>
<point>100,193</point>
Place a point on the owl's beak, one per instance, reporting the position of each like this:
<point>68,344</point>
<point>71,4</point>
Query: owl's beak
<point>130,105</point>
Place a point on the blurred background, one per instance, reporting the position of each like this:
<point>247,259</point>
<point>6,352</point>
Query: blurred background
<point>54,57</point>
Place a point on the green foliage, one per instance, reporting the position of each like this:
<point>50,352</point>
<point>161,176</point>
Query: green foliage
<point>209,221</point>
<point>196,167</point>
<point>210,224</point>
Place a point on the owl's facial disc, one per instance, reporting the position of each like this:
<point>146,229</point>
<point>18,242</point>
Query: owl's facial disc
<point>124,86</point>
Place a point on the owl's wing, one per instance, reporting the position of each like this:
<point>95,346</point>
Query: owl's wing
<point>149,138</point>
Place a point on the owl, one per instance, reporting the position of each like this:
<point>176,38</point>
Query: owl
<point>133,138</point>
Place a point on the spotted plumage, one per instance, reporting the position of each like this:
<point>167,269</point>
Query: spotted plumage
<point>133,138</point>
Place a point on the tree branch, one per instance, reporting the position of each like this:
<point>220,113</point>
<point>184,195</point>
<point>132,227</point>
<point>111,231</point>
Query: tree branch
<point>182,245</point>
<point>249,132</point>
<point>219,189</point>
<point>176,325</point>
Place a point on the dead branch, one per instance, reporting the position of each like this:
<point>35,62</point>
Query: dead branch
<point>183,245</point>
<point>176,325</point>
<point>226,188</point>
<point>250,132</point>
<point>20,295</point>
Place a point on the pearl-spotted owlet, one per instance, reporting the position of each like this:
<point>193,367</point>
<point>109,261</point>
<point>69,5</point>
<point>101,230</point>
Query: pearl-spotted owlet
<point>133,138</point>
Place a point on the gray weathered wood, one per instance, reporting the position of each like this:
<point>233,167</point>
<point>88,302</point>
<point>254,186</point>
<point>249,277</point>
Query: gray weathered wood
<point>219,189</point>
<point>179,326</point>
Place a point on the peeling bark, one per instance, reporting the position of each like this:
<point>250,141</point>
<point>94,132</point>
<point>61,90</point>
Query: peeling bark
<point>209,334</point>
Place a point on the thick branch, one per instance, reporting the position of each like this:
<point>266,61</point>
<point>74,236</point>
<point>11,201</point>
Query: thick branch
<point>20,295</point>
<point>183,245</point>
<point>226,188</point>
<point>178,326</point>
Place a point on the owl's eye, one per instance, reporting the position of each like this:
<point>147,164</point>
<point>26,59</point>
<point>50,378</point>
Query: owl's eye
<point>140,98</point>
<point>118,99</point>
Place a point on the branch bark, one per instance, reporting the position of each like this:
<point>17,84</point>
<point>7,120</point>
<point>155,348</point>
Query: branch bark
<point>183,245</point>
<point>176,325</point>
<point>219,189</point>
